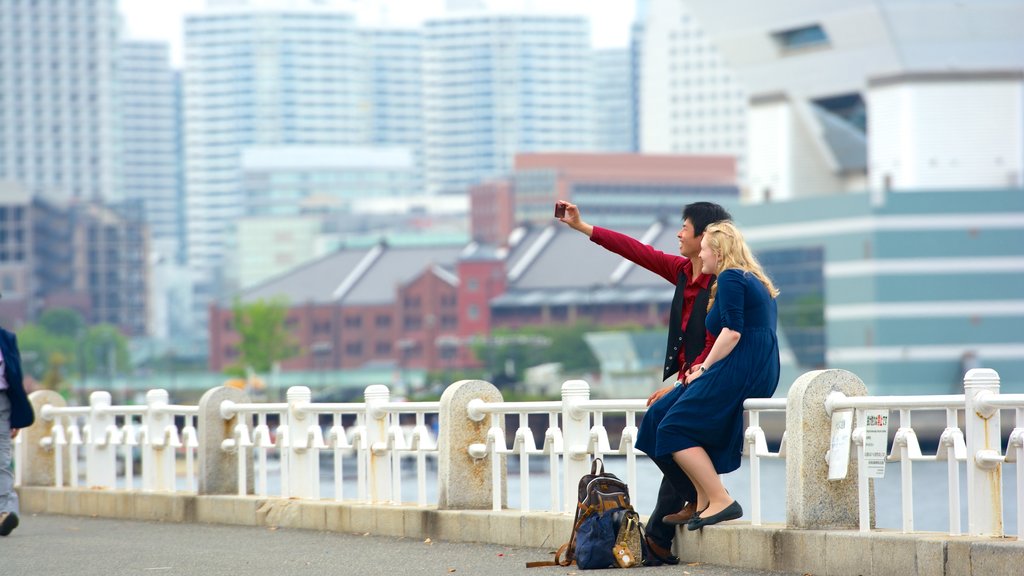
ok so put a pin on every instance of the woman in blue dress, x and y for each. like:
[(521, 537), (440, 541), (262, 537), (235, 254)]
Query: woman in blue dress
[(701, 425)]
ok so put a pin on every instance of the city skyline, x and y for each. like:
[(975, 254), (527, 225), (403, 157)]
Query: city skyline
[(610, 20)]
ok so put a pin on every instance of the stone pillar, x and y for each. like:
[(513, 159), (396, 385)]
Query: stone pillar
[(465, 483), (812, 500), (37, 464), (218, 469)]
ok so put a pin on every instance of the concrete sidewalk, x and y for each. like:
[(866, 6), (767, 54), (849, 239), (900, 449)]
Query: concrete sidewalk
[(47, 545)]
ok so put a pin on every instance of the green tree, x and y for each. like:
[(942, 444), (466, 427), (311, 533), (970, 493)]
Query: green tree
[(104, 350), (39, 346), (508, 353), (62, 322), (264, 337)]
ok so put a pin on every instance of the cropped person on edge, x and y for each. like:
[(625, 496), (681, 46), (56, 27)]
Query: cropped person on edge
[(15, 413), (703, 430), (688, 343)]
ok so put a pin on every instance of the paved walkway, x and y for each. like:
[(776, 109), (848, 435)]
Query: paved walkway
[(64, 545)]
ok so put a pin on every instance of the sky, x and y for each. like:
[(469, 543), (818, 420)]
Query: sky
[(610, 20)]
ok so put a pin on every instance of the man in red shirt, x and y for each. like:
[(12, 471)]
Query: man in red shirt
[(688, 344)]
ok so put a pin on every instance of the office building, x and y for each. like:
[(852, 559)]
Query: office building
[(394, 100), (854, 96), (57, 97), (690, 100), (614, 104), (150, 156), (496, 85), (259, 73)]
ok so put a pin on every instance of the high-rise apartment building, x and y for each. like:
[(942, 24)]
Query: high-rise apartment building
[(394, 97), (691, 102), (150, 156), (57, 100), (613, 100), (267, 73), (499, 84)]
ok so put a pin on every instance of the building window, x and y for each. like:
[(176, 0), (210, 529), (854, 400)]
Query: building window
[(354, 348), (382, 348), (353, 321), (800, 38), (473, 312), (383, 321)]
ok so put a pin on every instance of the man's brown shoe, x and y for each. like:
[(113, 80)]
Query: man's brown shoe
[(681, 517)]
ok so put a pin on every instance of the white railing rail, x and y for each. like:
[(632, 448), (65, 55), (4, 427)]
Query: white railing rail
[(755, 446), (377, 439), (979, 450), (102, 428)]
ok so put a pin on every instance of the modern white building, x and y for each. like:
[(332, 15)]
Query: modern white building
[(394, 99), (497, 84), (290, 180), (848, 95), (57, 96), (613, 100), (150, 155), (259, 73), (690, 99)]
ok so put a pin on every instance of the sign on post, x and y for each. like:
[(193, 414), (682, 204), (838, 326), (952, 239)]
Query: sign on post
[(839, 447), (876, 439)]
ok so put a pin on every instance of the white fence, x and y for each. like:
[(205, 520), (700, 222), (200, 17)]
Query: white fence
[(377, 441)]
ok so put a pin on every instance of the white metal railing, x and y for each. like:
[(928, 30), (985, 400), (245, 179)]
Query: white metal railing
[(378, 441), (583, 434), (101, 428), (979, 451)]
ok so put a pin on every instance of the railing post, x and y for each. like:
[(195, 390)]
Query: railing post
[(576, 437), (378, 462), (812, 500), (984, 474), (303, 458), (100, 454), (464, 483), (218, 468), (37, 462), (157, 453)]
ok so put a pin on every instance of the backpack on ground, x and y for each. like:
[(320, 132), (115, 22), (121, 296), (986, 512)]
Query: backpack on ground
[(606, 531)]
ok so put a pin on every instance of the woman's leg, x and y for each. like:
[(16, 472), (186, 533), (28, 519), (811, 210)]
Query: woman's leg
[(695, 462)]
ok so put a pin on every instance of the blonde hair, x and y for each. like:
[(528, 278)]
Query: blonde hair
[(726, 241)]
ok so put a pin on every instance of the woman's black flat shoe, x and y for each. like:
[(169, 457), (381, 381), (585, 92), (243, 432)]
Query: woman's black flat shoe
[(731, 512)]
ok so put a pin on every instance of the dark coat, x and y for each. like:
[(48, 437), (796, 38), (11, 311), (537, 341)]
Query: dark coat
[(22, 415)]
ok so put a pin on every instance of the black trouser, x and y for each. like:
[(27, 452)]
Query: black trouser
[(676, 489)]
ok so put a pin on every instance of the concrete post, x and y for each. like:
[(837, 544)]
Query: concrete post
[(377, 432), (37, 465), (984, 471), (465, 483), (218, 469), (100, 454), (303, 458), (157, 452), (812, 500), (576, 437)]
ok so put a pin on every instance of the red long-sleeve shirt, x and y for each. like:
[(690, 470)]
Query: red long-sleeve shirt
[(668, 266)]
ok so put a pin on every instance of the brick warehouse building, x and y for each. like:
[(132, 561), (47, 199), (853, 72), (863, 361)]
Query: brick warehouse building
[(421, 307)]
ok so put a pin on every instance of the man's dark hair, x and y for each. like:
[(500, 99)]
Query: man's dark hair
[(702, 214)]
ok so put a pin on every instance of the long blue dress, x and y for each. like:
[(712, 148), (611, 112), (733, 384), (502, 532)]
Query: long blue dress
[(709, 412)]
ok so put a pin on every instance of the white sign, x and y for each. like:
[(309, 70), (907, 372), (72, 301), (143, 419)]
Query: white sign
[(839, 448), (876, 438)]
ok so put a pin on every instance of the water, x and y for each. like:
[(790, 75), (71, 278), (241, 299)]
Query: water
[(930, 490)]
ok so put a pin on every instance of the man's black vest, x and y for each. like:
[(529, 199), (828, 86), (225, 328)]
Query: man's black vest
[(692, 338)]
